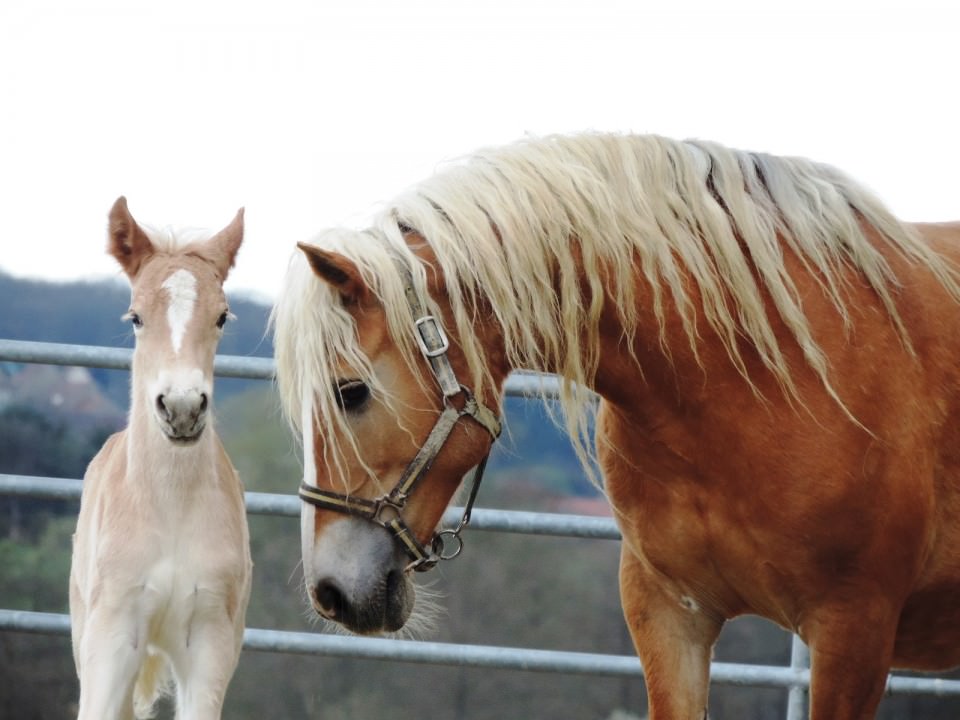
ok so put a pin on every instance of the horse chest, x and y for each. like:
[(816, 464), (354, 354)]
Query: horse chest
[(174, 589), (179, 592), (707, 558)]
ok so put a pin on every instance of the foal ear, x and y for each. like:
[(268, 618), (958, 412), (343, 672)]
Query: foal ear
[(339, 271), (126, 240), (222, 248)]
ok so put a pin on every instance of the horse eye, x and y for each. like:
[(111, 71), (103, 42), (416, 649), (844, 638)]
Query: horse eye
[(134, 320), (351, 394), (222, 320)]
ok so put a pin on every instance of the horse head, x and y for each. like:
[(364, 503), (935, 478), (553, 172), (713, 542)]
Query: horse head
[(388, 435)]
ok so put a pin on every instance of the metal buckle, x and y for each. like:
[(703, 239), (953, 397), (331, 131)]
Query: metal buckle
[(422, 340), (423, 564), (387, 509)]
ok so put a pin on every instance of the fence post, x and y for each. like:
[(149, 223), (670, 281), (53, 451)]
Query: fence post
[(797, 697)]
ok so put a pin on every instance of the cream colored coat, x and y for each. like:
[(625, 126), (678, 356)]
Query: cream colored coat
[(161, 568)]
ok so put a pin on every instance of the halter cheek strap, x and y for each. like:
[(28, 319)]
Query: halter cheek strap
[(386, 510)]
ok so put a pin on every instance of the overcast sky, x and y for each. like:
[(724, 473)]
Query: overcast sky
[(311, 113)]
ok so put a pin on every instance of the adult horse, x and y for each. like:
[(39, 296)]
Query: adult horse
[(161, 567), (779, 417)]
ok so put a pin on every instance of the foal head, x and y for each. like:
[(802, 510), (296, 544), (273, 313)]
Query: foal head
[(178, 310)]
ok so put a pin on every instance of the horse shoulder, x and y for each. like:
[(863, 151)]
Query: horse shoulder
[(229, 487), (109, 459), (103, 474), (227, 473), (235, 515)]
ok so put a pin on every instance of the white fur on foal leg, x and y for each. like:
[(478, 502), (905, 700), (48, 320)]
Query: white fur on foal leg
[(110, 659), (204, 669)]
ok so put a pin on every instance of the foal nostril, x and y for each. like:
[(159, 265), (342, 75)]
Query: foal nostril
[(330, 599), (162, 408), (203, 402)]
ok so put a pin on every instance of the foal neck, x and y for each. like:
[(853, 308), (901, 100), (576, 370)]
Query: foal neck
[(156, 463)]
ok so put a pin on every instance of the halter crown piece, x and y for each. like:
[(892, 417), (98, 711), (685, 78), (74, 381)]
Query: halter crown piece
[(386, 510)]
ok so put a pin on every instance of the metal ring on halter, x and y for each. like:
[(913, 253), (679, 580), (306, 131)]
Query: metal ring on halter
[(438, 544)]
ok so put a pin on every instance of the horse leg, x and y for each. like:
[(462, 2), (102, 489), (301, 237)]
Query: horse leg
[(109, 656), (673, 638), (851, 648), (204, 666)]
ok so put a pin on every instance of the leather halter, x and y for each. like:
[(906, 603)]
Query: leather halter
[(386, 510)]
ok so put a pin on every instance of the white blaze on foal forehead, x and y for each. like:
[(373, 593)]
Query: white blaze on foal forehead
[(181, 290)]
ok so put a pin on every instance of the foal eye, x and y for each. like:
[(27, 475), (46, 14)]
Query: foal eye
[(351, 394), (134, 319), (222, 320)]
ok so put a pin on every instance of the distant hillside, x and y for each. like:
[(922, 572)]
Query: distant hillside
[(88, 313), (70, 393)]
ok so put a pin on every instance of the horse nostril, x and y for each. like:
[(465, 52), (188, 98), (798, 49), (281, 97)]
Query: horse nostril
[(162, 408), (394, 582), (330, 599), (203, 402)]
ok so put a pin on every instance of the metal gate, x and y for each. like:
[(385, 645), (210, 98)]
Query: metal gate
[(795, 679)]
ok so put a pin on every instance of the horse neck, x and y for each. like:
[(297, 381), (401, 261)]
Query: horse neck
[(624, 371), (618, 366)]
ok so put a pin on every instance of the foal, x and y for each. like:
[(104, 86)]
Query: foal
[(161, 567)]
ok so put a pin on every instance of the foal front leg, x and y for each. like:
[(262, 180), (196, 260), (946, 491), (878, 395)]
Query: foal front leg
[(110, 652), (203, 666), (674, 639)]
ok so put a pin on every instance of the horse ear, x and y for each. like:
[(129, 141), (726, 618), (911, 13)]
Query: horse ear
[(339, 271), (126, 240), (221, 249)]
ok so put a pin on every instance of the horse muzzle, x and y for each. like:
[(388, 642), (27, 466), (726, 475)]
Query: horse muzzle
[(355, 576)]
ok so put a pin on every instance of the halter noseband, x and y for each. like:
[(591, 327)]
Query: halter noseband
[(386, 510)]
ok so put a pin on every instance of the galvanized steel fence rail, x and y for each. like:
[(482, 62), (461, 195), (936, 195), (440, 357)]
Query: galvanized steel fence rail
[(795, 679)]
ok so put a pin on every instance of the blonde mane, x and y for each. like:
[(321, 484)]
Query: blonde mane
[(518, 225)]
